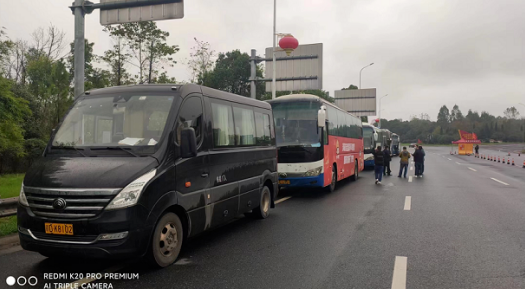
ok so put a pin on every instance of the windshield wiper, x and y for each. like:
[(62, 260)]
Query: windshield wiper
[(128, 150), (69, 148)]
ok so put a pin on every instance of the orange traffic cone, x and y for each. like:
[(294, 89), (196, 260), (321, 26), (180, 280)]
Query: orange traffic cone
[(508, 161), (524, 164), (499, 160), (513, 162), (503, 160)]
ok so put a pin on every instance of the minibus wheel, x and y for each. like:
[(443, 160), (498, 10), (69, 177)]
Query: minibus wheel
[(263, 211), (166, 241)]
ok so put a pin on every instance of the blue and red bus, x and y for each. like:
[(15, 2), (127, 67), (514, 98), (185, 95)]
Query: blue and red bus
[(318, 143)]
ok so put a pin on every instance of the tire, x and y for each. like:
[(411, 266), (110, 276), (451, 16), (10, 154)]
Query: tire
[(263, 210), (331, 187), (356, 172), (166, 241)]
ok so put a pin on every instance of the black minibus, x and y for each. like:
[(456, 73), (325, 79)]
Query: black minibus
[(137, 170)]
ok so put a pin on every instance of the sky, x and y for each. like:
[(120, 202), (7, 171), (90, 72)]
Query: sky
[(426, 53)]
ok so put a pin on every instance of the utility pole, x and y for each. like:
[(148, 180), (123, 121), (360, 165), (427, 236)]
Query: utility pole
[(79, 12), (274, 63)]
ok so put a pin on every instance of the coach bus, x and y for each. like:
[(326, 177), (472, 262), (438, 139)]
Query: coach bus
[(318, 143), (395, 144), (370, 138)]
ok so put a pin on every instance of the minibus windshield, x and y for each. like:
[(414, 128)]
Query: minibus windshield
[(108, 121)]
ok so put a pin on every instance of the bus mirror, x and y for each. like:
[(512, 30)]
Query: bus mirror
[(188, 146), (321, 118), (375, 136)]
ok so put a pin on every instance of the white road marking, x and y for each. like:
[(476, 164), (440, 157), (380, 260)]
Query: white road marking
[(411, 168), (282, 200), (409, 179), (458, 163), (449, 159), (399, 280), (472, 169), (499, 181), (408, 203)]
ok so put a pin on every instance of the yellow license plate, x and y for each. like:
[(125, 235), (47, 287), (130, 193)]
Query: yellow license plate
[(284, 182), (59, 229)]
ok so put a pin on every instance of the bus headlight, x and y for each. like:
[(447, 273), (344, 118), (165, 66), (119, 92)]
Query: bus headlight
[(313, 172), (369, 158), (130, 194), (22, 198)]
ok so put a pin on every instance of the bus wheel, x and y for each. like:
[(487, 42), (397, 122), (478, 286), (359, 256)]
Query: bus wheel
[(167, 240), (356, 172), (263, 211), (331, 187)]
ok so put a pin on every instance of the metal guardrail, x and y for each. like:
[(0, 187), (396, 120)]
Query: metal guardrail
[(8, 207)]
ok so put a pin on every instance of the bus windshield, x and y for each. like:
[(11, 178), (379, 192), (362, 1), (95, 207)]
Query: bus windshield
[(114, 120), (296, 123)]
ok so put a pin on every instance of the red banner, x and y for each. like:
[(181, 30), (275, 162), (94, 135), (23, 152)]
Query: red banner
[(467, 136), (419, 141)]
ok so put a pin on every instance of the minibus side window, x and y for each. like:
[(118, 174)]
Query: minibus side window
[(191, 116)]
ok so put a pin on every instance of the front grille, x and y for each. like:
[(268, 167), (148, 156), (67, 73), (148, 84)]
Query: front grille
[(291, 175), (79, 203)]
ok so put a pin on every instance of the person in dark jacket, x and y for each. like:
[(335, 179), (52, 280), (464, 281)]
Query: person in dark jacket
[(387, 157), (423, 163), (379, 163), (418, 159)]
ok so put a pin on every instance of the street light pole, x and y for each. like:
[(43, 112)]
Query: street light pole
[(79, 48), (360, 74), (274, 63), (380, 109)]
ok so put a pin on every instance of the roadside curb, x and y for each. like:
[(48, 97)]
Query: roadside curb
[(9, 241)]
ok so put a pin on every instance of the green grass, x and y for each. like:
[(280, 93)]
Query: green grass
[(10, 185), (8, 226)]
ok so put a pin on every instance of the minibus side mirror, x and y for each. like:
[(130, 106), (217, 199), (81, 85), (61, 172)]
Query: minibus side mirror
[(188, 146), (321, 117)]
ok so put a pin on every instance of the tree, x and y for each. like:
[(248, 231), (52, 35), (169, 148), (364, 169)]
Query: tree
[(472, 116), (164, 78), (117, 59), (5, 48), (350, 87), (511, 113), (12, 111), (201, 59), (455, 114), (148, 46), (94, 77), (443, 115), (232, 73)]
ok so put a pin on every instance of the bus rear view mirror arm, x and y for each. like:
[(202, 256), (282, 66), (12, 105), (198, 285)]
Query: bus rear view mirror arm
[(188, 146)]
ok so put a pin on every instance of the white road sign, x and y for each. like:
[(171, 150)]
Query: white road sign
[(144, 13)]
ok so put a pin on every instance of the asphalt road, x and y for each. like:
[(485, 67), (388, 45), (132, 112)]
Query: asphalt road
[(462, 227)]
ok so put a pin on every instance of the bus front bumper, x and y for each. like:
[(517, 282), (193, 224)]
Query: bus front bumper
[(317, 181)]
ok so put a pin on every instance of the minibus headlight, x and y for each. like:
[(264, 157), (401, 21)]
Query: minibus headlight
[(130, 194), (314, 172), (22, 198)]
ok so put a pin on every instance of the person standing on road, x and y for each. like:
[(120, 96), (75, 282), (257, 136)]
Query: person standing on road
[(379, 161), (404, 157), (477, 150), (387, 157), (422, 163), (418, 159)]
